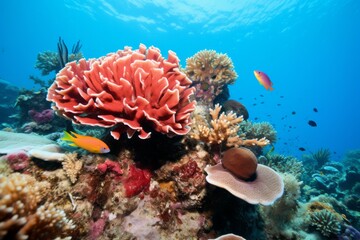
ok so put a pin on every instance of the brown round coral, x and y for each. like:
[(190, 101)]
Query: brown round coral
[(236, 107), (241, 162)]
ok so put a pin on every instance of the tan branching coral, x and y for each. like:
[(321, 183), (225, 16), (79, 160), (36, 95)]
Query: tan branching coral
[(223, 128), (72, 166), (210, 71), (22, 216), (48, 61)]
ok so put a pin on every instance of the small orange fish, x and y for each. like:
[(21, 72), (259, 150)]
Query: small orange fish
[(264, 80), (88, 143)]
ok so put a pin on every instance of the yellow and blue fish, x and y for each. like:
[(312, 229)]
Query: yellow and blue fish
[(88, 143), (264, 80)]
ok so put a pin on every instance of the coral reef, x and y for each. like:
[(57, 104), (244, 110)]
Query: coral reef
[(283, 164), (109, 165), (319, 157), (352, 158), (48, 61), (178, 184), (136, 181), (72, 166), (229, 236), (34, 145), (210, 73), (233, 215), (184, 180), (18, 160), (241, 162), (21, 214), (326, 222), (236, 107), (222, 130), (8, 93), (258, 130), (264, 189), (132, 91), (44, 116), (350, 233), (279, 218), (26, 101), (240, 174)]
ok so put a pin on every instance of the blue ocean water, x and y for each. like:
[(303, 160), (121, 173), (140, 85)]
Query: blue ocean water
[(310, 50)]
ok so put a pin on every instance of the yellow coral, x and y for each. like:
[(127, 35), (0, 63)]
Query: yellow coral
[(72, 166), (223, 128), (210, 73), (212, 67), (21, 217)]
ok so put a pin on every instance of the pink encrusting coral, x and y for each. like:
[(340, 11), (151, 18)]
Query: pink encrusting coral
[(109, 165), (129, 91), (18, 161), (137, 181), (44, 116)]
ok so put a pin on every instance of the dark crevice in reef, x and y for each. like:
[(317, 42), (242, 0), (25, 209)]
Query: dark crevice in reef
[(233, 215)]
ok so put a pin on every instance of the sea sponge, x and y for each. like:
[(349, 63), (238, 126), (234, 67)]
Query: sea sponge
[(210, 72), (129, 91)]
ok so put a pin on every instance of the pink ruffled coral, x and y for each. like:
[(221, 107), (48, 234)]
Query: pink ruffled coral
[(129, 91)]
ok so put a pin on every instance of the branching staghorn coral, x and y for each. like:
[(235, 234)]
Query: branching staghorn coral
[(210, 72), (222, 129), (22, 216)]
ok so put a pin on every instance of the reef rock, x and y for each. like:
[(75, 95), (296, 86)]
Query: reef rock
[(8, 95)]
